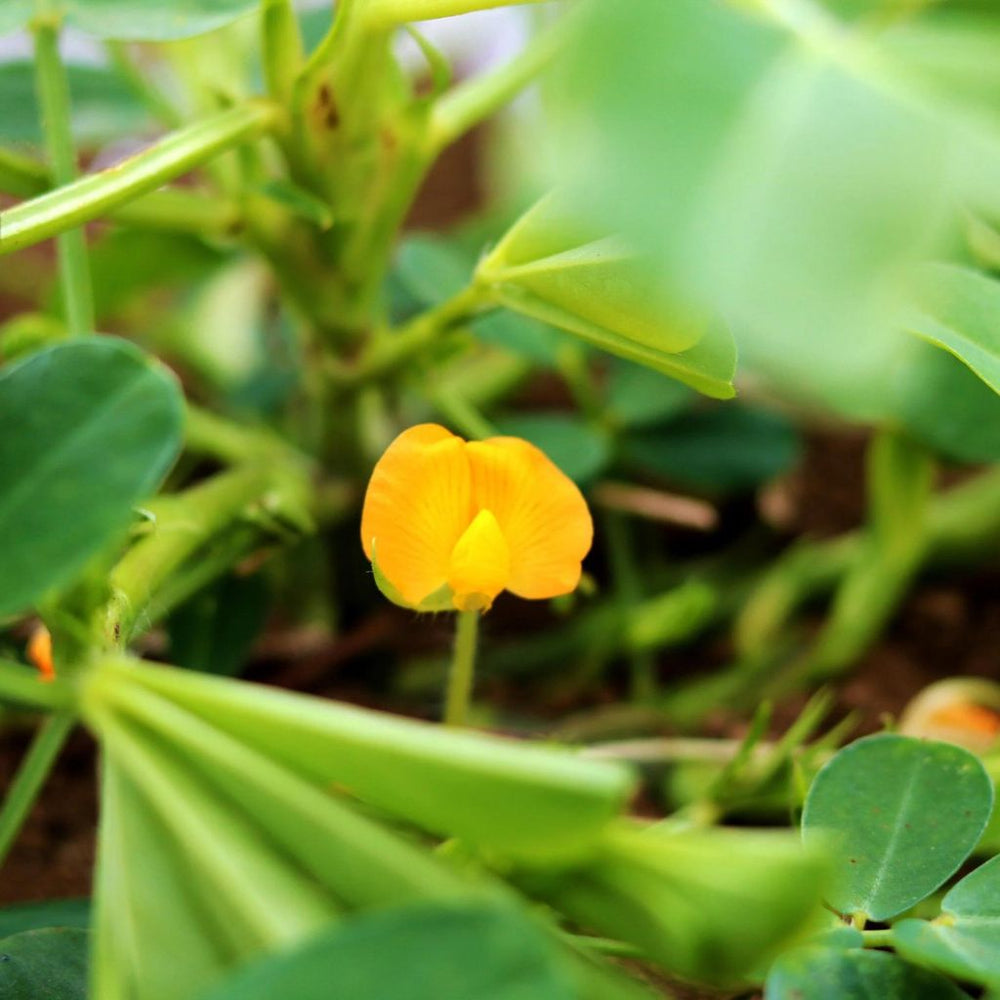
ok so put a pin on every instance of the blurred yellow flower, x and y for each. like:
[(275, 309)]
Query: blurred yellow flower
[(449, 523)]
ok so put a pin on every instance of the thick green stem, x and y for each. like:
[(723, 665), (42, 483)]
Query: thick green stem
[(463, 669), (283, 52), (100, 194), (31, 776), (386, 13), (53, 98)]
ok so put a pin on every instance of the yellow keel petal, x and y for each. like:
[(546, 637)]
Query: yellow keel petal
[(480, 564)]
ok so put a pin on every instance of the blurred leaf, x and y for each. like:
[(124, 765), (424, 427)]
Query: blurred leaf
[(945, 405), (817, 973), (554, 270), (966, 942), (581, 451), (516, 797), (901, 815), (432, 268), (214, 631), (94, 425), (721, 449), (471, 952), (783, 184), (538, 342), (683, 897), (959, 310), (127, 262), (638, 396), (51, 913), (300, 201), (49, 964), (137, 20), (103, 105)]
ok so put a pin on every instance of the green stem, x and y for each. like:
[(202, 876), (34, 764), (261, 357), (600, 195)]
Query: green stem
[(461, 414), (53, 99), (469, 103), (394, 350), (99, 194), (21, 685), (463, 667), (387, 13), (31, 776), (283, 53), (880, 938)]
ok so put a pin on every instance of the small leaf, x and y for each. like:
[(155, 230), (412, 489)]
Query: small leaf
[(51, 913), (900, 816), (432, 268), (91, 427), (966, 942), (549, 268), (722, 449), (152, 20), (638, 396), (457, 952), (958, 309), (49, 964), (817, 973), (300, 201)]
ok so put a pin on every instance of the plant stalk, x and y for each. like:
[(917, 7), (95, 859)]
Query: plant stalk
[(463, 667)]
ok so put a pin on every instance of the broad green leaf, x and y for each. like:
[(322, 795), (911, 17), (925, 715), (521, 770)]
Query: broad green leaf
[(91, 428), (49, 964), (943, 404), (497, 793), (147, 912), (580, 450), (555, 270), (538, 342), (959, 310), (416, 953), (817, 973), (900, 815), (965, 940), (51, 913), (721, 449), (432, 268), (683, 898), (103, 105)]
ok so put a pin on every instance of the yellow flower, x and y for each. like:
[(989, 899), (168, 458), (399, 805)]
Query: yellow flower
[(449, 523)]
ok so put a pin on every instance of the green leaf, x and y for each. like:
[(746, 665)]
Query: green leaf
[(151, 20), (958, 309), (103, 105), (638, 396), (900, 815), (49, 964), (51, 913), (683, 898), (497, 793), (470, 952), (942, 403), (722, 449), (580, 450), (432, 268), (817, 973), (93, 426), (965, 941), (552, 269)]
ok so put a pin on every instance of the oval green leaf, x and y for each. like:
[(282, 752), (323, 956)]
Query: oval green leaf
[(966, 941), (49, 964), (90, 429), (50, 913), (456, 952), (899, 815), (818, 973)]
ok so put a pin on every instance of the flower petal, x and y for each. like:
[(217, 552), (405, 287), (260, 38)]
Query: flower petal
[(418, 504), (480, 564), (541, 513)]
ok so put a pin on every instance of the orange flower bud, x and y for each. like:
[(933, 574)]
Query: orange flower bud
[(40, 653), (450, 524)]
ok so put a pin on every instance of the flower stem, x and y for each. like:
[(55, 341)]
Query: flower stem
[(463, 666), (53, 98), (34, 770)]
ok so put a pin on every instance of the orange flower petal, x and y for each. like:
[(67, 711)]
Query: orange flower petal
[(40, 653), (480, 564), (541, 513), (418, 504)]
